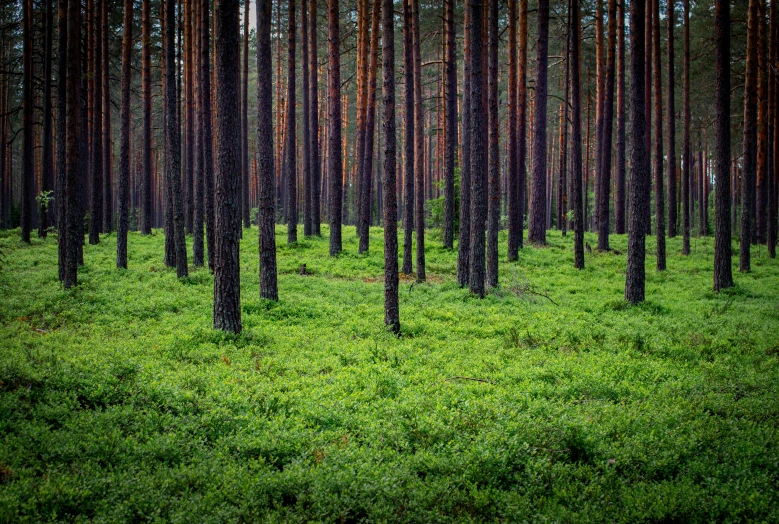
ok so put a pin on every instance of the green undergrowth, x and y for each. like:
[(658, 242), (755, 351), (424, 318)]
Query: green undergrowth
[(549, 400)]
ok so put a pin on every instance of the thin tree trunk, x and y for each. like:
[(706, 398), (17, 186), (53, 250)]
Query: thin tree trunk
[(649, 6), (335, 166), (576, 137), (304, 55), (63, 224), (493, 210), (265, 153), (227, 270), (639, 183), (366, 182), (478, 152), (47, 168), (124, 146), (686, 152), (73, 115), (619, 204), (537, 225), (314, 101), (208, 140), (761, 187), (604, 168), (451, 121), (522, 117), (419, 147), (750, 139), (245, 203), (188, 119), (96, 202), (773, 90), (291, 149), (146, 195), (671, 119), (658, 157), (198, 218), (173, 152), (464, 240), (408, 145), (108, 208), (391, 307), (28, 146), (512, 173)]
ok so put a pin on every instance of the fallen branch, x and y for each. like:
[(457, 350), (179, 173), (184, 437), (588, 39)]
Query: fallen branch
[(545, 295), (470, 378)]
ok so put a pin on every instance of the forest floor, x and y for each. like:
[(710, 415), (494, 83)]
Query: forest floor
[(549, 400)]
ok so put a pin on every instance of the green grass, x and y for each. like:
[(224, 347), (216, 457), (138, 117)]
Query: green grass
[(118, 402)]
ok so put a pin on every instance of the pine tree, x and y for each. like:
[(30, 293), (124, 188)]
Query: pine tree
[(478, 152), (576, 136), (28, 165), (291, 134), (671, 123), (658, 152), (686, 148), (314, 121), (537, 222), (146, 180), (750, 139), (123, 199), (451, 124), (408, 144), (335, 163), (493, 208), (47, 167)]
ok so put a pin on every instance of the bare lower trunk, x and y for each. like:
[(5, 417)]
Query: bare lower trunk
[(537, 223), (750, 139), (124, 147), (335, 164)]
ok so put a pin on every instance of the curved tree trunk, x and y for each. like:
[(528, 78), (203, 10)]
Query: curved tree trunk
[(537, 223), (123, 199), (635, 275), (227, 270), (265, 155), (391, 307)]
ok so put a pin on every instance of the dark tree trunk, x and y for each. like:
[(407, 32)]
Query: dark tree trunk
[(649, 7), (198, 218), (314, 102), (245, 202), (188, 118), (761, 193), (28, 146), (362, 92), (723, 273), (658, 157), (639, 181), (478, 151), (604, 172), (493, 209), (773, 91), (206, 130), (408, 144), (451, 122), (576, 137), (464, 241), (419, 148), (73, 138), (291, 148), (750, 139), (47, 169), (96, 201), (62, 200), (108, 197), (366, 182), (124, 146), (686, 151), (227, 270), (173, 149), (265, 175), (619, 202), (522, 117), (146, 180), (512, 172), (335, 163), (537, 223), (671, 119), (391, 307), (304, 55)]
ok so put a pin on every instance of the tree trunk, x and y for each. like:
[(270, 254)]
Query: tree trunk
[(773, 92), (512, 172), (750, 139), (47, 168), (478, 152), (314, 101), (658, 156), (124, 146), (671, 123), (619, 203), (537, 225), (366, 182), (96, 202), (419, 147), (723, 273), (173, 150), (304, 55), (408, 113), (146, 183), (451, 121), (335, 165), (188, 119), (245, 202), (265, 154), (522, 117), (63, 224), (686, 152), (198, 218), (108, 208), (291, 149), (576, 137), (639, 182), (649, 6), (761, 189), (493, 209), (391, 307), (28, 146), (206, 130), (227, 271), (604, 168), (73, 115)]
